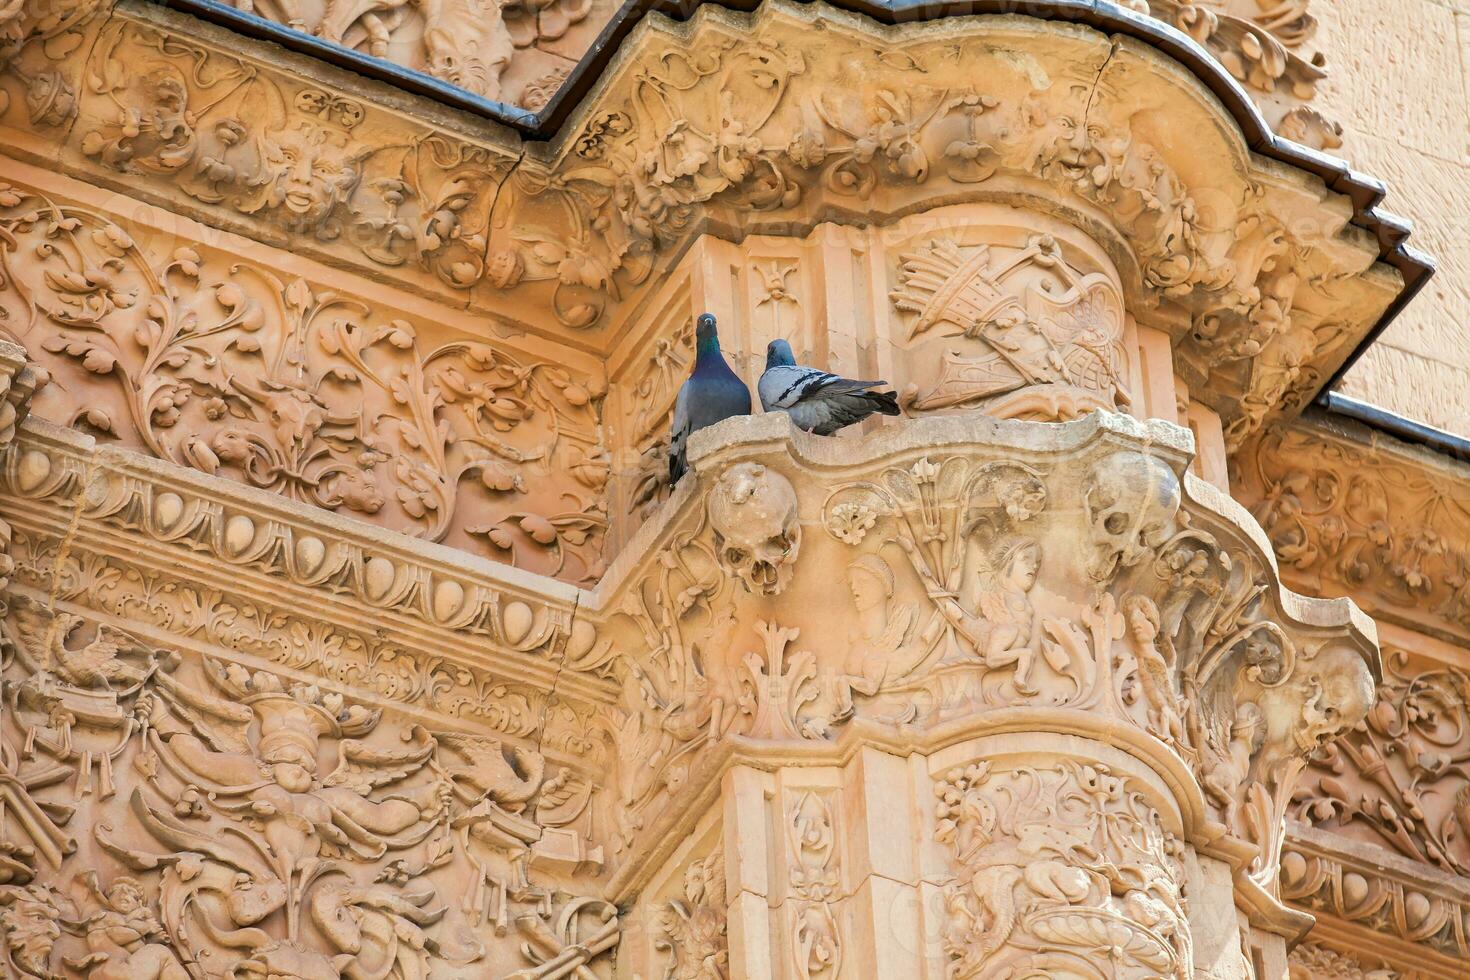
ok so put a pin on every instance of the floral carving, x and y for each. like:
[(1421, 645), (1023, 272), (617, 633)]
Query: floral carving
[(307, 392), (1344, 516), (242, 852), (158, 105), (1264, 46), (816, 941), (469, 43), (1402, 778), (37, 48)]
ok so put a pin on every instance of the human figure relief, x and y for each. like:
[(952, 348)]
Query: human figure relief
[(878, 634), (1000, 621), (308, 818), (1155, 669), (125, 939)]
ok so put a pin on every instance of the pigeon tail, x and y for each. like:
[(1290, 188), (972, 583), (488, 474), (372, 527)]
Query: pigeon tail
[(884, 402)]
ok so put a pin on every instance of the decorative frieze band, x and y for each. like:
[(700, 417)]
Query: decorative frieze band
[(571, 237)]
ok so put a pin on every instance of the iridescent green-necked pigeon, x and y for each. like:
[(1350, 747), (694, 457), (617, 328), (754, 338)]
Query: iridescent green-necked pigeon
[(817, 401), (712, 394)]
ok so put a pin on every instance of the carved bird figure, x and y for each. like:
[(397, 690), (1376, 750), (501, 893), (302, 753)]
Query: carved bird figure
[(817, 401), (712, 394), (96, 663)]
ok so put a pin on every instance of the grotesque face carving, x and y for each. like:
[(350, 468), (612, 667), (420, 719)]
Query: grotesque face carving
[(311, 178), (753, 513), (1132, 500), (1335, 694)]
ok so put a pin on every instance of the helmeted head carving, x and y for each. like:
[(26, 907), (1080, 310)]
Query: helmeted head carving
[(1132, 500), (753, 512)]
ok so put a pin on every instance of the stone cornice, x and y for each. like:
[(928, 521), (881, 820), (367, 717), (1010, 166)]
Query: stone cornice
[(1353, 511), (518, 237), (72, 500), (1368, 899)]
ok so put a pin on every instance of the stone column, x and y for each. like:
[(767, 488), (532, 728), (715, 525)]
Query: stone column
[(970, 698)]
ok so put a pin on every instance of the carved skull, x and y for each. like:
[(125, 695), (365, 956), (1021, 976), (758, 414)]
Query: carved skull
[(753, 512), (1335, 694), (1132, 499)]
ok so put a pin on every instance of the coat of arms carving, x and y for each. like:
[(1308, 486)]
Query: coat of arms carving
[(1023, 335)]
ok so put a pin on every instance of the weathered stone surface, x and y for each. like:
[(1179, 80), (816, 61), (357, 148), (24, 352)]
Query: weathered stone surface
[(351, 628)]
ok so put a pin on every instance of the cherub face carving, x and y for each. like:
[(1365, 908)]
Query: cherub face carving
[(753, 513)]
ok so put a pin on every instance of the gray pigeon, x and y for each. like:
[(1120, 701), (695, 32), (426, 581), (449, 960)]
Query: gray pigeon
[(712, 394), (817, 401)]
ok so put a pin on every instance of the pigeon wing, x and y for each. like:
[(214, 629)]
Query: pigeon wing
[(679, 433), (788, 385)]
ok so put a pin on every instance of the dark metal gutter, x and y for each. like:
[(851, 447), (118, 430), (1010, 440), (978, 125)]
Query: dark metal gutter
[(1391, 424), (1365, 192)]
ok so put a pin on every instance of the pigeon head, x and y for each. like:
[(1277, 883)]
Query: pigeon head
[(778, 353), (706, 340)]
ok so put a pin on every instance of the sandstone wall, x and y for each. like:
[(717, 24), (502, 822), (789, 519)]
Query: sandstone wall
[(1399, 82)]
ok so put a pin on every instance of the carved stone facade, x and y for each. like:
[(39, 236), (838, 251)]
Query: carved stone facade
[(350, 627)]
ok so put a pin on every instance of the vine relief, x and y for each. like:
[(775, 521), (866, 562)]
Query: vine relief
[(1354, 518), (183, 817), (1268, 48), (308, 163), (304, 391), (469, 43), (1401, 779)]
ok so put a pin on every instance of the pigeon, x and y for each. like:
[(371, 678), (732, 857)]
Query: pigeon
[(817, 401), (712, 394)]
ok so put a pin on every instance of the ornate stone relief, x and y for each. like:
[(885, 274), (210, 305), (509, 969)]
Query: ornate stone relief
[(36, 42), (1425, 921), (194, 725), (341, 604), (692, 929), (1399, 780), (1056, 870), (299, 389), (738, 123), (1267, 47), (1366, 517), (970, 593), (176, 820), (285, 156), (1020, 335), (1310, 961), (470, 43)]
